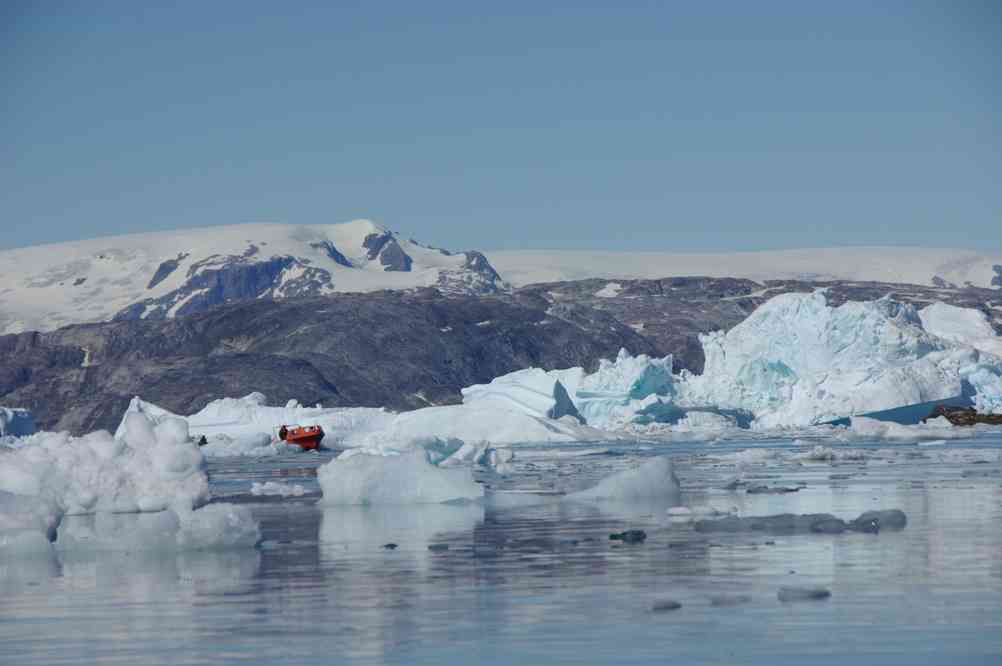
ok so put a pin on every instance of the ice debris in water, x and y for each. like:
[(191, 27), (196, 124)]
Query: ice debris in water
[(358, 477), (652, 480), (275, 488), (818, 523), (213, 527)]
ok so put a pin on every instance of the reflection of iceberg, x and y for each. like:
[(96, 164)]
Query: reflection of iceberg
[(347, 531), (213, 527), (407, 478)]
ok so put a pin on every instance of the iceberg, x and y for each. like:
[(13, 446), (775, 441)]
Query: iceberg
[(622, 390), (150, 468), (619, 392), (141, 491), (359, 477), (798, 361)]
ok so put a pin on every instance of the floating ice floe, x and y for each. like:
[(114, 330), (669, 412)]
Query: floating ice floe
[(358, 477)]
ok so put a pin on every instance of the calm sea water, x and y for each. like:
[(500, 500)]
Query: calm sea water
[(533, 579)]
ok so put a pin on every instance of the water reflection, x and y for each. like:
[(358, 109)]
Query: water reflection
[(536, 578)]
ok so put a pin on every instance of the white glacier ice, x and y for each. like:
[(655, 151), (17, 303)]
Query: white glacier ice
[(533, 391), (797, 360), (358, 477), (619, 390)]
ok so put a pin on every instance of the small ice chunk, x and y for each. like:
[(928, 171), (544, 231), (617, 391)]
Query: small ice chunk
[(275, 488), (653, 480)]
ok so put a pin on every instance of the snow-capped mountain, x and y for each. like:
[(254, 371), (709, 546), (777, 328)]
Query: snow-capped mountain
[(166, 274), (904, 265)]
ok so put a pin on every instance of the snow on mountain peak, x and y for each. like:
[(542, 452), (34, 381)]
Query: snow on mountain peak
[(168, 274)]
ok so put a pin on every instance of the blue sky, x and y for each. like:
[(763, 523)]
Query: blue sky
[(659, 125)]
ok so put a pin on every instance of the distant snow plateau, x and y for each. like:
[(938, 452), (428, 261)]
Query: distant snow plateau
[(924, 266)]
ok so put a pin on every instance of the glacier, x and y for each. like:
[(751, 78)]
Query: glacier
[(797, 361)]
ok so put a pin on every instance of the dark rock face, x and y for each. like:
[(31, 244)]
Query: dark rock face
[(213, 282), (391, 256), (997, 280), (401, 350), (165, 269), (333, 253), (475, 261), (374, 243)]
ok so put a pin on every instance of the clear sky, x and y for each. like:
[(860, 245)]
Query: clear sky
[(624, 125)]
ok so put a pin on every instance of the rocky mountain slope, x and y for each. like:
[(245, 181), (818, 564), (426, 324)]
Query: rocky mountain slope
[(163, 275), (389, 348), (402, 350)]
